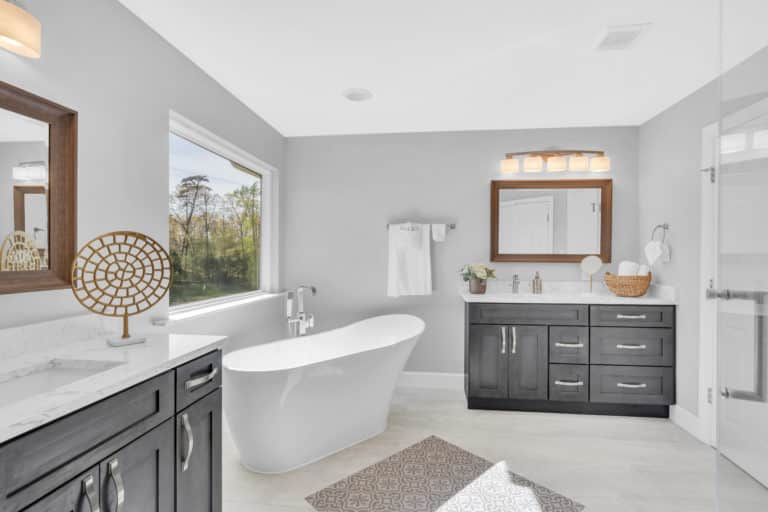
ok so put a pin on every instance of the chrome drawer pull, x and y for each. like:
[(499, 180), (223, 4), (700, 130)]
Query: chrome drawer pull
[(568, 345), (632, 385), (630, 317), (190, 440), (113, 474), (193, 384), (503, 339), (621, 346), (569, 383), (89, 491)]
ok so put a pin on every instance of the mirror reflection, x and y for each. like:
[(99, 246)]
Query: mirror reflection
[(549, 221), (24, 237)]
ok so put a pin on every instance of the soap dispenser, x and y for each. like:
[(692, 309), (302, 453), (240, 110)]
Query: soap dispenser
[(537, 284)]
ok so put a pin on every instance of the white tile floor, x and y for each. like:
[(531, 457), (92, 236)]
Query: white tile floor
[(607, 463)]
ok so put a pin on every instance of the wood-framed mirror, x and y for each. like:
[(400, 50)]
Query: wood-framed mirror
[(551, 220), (38, 203)]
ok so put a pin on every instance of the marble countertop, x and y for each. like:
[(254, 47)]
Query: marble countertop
[(566, 292), (115, 369)]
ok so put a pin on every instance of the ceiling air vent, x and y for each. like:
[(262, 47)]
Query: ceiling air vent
[(620, 37)]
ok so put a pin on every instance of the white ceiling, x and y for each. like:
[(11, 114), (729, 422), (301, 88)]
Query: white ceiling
[(436, 65), (18, 128)]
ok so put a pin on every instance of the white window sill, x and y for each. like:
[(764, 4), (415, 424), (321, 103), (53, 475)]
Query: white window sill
[(195, 309)]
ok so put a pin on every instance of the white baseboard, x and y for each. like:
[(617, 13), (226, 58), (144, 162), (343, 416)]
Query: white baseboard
[(688, 421), (431, 380)]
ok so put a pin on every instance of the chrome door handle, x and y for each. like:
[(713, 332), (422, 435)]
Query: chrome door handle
[(113, 475), (630, 317), (189, 440), (89, 491), (193, 384), (503, 339), (622, 346), (569, 383), (514, 340), (632, 385), (561, 344), (758, 297)]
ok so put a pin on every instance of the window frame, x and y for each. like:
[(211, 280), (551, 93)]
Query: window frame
[(268, 271)]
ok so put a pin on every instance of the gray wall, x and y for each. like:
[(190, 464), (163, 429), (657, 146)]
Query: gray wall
[(669, 191), (343, 190), (123, 79)]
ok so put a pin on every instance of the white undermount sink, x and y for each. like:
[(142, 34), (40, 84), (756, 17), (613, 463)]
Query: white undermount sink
[(46, 376)]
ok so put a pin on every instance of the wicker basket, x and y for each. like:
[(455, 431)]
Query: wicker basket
[(628, 286)]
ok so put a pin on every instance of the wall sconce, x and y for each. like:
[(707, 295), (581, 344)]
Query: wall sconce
[(575, 160), (30, 171), (20, 32)]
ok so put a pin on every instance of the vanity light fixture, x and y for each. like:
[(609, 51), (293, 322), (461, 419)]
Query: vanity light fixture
[(575, 160), (510, 166), (30, 171), (557, 163), (20, 32)]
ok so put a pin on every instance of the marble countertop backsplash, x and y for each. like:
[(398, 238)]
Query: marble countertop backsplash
[(77, 347)]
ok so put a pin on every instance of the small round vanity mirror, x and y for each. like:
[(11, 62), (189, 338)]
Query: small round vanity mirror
[(590, 266)]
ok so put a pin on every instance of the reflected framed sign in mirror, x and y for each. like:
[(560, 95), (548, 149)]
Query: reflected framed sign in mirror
[(551, 220), (38, 158)]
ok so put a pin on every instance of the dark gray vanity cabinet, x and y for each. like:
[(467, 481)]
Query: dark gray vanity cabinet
[(527, 353), (600, 359), (135, 451), (198, 466)]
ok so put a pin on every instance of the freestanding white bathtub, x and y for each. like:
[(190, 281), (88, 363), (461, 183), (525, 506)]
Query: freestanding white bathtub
[(295, 401)]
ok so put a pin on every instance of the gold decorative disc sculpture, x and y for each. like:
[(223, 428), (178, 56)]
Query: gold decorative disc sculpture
[(121, 274), (18, 252)]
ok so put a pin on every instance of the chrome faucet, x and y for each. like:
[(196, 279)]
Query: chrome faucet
[(302, 321)]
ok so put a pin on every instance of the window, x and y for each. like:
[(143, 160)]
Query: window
[(215, 218)]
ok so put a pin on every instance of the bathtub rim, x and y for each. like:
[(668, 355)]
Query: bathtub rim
[(415, 335)]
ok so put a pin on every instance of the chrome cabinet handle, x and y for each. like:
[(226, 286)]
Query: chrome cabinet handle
[(514, 340), (561, 344), (503, 339), (113, 474), (193, 384), (630, 317), (569, 383), (190, 441), (89, 491), (621, 346), (632, 385)]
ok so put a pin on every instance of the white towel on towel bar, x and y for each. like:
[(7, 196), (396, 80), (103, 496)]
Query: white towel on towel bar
[(410, 265), (438, 232)]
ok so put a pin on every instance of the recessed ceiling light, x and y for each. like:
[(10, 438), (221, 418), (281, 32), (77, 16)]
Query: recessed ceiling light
[(358, 94)]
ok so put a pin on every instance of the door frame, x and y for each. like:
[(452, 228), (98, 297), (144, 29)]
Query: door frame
[(708, 324)]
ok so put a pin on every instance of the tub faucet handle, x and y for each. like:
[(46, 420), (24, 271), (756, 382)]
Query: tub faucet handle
[(289, 304)]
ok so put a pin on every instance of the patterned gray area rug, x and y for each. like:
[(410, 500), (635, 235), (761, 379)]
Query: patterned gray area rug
[(436, 476)]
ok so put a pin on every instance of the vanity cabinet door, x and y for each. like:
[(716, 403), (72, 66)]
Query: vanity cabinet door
[(198, 456), (79, 495), (528, 362), (139, 477), (488, 361)]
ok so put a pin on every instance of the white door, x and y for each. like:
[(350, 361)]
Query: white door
[(742, 296), (583, 214), (525, 225)]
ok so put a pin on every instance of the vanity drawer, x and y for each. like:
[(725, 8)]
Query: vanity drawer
[(632, 346), (647, 385), (197, 378), (569, 345), (37, 462), (633, 316), (569, 382), (529, 314)]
